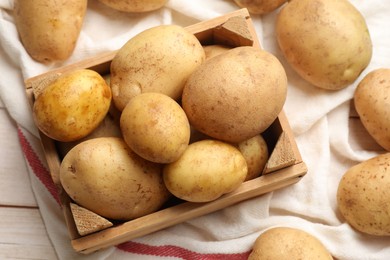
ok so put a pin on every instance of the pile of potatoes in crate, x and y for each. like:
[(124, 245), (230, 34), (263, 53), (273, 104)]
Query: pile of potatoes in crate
[(188, 124)]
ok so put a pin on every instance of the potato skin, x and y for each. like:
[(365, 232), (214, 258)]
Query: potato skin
[(106, 177), (260, 6), (363, 196), (49, 29), (235, 95), (159, 59), (372, 103), (134, 6), (326, 42), (72, 106), (206, 170), (255, 152), (155, 127), (288, 243)]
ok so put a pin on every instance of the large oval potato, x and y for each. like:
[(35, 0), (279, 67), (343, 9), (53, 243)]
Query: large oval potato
[(155, 127), (235, 95), (49, 29), (159, 59), (288, 243), (372, 103), (326, 42), (73, 105), (363, 196), (135, 6), (206, 170), (105, 176)]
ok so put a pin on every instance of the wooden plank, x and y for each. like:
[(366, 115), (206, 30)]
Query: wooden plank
[(23, 235)]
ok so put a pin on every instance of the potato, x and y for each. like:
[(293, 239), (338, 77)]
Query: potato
[(372, 103), (326, 42), (108, 127), (49, 29), (255, 152), (155, 127), (260, 6), (363, 196), (288, 243), (206, 170), (235, 95), (134, 6), (72, 106), (159, 59), (214, 50), (106, 177)]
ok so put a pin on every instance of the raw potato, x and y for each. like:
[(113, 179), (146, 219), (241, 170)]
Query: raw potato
[(135, 6), (288, 243), (260, 6), (72, 106), (155, 127), (206, 170), (255, 152), (326, 42), (363, 196), (106, 177), (159, 59), (214, 50), (372, 103), (49, 29), (235, 95)]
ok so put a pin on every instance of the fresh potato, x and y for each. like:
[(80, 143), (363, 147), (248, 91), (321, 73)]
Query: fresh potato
[(372, 103), (135, 6), (155, 127), (214, 50), (288, 243), (49, 29), (206, 170), (72, 106), (363, 196), (260, 6), (326, 42), (235, 95), (255, 152), (106, 177), (159, 59)]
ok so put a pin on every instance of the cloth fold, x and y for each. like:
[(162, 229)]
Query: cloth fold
[(319, 120)]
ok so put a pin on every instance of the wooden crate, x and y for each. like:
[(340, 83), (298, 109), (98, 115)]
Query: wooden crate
[(284, 167)]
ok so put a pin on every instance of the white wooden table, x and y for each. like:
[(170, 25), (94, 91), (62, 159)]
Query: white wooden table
[(22, 232)]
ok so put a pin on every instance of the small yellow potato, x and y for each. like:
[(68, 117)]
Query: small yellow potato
[(155, 127), (288, 243), (206, 170), (372, 103), (214, 50), (260, 6), (49, 29), (363, 196), (134, 6), (255, 152), (159, 59), (235, 95), (72, 106), (326, 42), (105, 176)]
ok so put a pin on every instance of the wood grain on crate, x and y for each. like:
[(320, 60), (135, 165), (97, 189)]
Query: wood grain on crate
[(285, 167)]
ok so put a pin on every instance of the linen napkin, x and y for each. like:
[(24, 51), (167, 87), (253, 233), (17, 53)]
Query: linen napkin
[(319, 119)]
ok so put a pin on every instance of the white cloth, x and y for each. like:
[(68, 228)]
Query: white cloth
[(319, 120)]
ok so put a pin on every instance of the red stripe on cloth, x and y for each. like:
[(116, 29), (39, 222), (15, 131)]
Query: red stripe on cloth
[(37, 166), (175, 251)]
